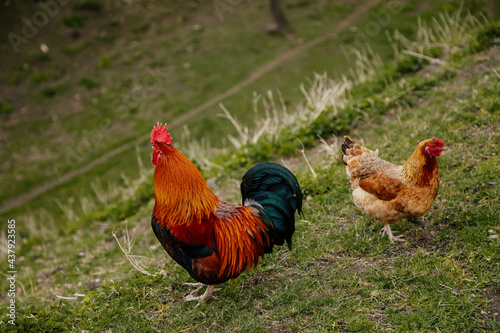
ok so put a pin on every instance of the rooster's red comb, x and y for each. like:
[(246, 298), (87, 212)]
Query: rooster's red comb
[(160, 134)]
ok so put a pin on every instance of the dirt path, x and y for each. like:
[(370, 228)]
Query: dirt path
[(259, 72)]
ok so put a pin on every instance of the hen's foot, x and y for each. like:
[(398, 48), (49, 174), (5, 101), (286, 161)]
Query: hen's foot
[(397, 238), (386, 230)]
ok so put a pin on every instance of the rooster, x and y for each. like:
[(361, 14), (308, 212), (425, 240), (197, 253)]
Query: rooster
[(214, 240), (388, 192)]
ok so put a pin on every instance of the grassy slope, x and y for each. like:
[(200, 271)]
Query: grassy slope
[(342, 275), (183, 56), (72, 134)]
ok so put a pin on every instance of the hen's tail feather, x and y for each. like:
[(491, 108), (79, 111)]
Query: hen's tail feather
[(352, 148), (348, 143), (277, 190)]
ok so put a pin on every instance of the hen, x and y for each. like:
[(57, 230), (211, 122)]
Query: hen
[(212, 239), (388, 192)]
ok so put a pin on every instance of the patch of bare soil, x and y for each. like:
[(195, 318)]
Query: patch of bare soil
[(279, 326), (494, 301)]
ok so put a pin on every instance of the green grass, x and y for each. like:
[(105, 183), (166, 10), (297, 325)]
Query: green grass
[(75, 21), (341, 275)]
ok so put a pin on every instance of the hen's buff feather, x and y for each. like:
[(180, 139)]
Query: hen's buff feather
[(388, 192)]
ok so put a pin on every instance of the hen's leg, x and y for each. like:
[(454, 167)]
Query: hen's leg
[(386, 230)]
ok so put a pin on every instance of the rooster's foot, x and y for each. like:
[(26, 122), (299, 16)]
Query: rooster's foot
[(206, 296), (197, 286)]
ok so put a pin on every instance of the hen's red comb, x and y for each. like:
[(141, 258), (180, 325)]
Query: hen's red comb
[(160, 134), (438, 142)]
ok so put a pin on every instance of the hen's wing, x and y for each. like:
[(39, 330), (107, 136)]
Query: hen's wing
[(368, 171), (383, 186)]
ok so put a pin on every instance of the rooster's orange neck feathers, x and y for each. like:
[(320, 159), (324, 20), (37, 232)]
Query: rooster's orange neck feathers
[(182, 195)]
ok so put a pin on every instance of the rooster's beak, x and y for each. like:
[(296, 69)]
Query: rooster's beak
[(445, 148)]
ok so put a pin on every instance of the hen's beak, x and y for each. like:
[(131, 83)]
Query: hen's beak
[(445, 148)]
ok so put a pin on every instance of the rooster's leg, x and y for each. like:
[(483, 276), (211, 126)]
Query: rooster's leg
[(206, 296), (386, 230)]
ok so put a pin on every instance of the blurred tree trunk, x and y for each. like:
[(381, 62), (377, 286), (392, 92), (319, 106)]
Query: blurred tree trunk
[(282, 25)]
